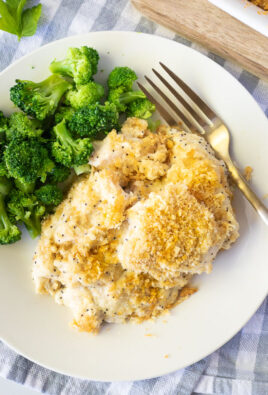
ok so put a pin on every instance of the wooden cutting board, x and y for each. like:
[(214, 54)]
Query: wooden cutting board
[(201, 21)]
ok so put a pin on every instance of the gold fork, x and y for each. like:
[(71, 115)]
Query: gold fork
[(200, 117)]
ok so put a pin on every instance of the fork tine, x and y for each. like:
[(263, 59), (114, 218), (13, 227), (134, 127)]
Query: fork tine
[(196, 99), (181, 99), (169, 102), (168, 118)]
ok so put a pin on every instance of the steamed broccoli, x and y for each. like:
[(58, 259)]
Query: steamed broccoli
[(82, 169), (80, 64), (39, 99), (140, 108), (84, 95), (49, 195), (26, 208), (121, 77), (122, 99), (3, 124), (114, 97), (9, 233), (58, 174), (94, 121), (3, 168), (3, 130), (22, 126), (135, 103), (68, 151), (26, 161), (64, 112)]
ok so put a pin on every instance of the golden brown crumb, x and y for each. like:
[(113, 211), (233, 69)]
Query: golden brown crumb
[(166, 356), (261, 3), (162, 242), (248, 173), (86, 324)]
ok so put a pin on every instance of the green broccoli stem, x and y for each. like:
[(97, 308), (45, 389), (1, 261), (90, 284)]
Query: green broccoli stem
[(64, 136), (53, 85), (61, 67), (82, 169), (33, 225), (128, 97), (5, 186), (25, 187), (9, 233), (52, 88), (4, 220)]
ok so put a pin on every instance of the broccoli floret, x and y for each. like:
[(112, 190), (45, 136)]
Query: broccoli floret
[(39, 99), (5, 186), (58, 174), (64, 112), (22, 126), (114, 97), (82, 169), (84, 95), (3, 168), (26, 161), (122, 99), (140, 108), (94, 121), (135, 103), (3, 130), (26, 208), (68, 151), (49, 195), (9, 233), (3, 124), (121, 77), (80, 64)]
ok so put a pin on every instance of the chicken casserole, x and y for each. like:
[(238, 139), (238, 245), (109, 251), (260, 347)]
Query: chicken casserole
[(125, 243)]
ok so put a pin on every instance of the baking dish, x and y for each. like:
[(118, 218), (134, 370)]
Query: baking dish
[(246, 12)]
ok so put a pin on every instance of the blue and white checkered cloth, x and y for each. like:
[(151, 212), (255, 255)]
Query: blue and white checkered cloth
[(240, 367)]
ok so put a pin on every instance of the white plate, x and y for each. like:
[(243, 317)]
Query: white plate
[(38, 328), (246, 12)]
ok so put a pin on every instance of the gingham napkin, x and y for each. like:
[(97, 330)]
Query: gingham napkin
[(240, 367)]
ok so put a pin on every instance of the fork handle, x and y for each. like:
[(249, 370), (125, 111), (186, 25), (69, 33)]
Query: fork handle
[(247, 191)]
